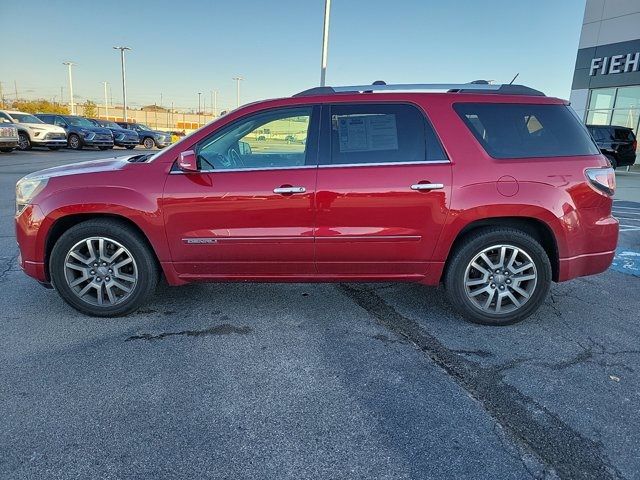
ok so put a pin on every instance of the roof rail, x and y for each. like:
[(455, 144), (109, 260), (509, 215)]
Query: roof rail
[(479, 86)]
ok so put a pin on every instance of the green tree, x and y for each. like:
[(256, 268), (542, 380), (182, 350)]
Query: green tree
[(39, 106), (89, 109)]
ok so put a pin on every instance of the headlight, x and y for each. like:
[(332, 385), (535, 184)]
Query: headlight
[(27, 189)]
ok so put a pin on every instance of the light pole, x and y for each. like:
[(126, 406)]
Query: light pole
[(325, 42), (238, 80), (214, 103), (106, 101), (71, 104), (124, 81), (199, 95)]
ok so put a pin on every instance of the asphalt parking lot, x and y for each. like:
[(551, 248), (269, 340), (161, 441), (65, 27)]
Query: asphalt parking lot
[(317, 381)]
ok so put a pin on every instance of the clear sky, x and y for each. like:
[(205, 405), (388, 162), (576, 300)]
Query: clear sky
[(184, 47)]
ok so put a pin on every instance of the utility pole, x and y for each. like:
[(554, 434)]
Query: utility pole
[(238, 80), (106, 101), (325, 42), (15, 88), (124, 81), (61, 97), (1, 97), (199, 95), (72, 105)]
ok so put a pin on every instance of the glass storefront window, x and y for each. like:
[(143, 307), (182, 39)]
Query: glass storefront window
[(627, 117), (628, 97), (602, 98), (598, 117)]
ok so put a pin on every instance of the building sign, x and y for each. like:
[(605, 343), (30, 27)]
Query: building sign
[(615, 64), (612, 65)]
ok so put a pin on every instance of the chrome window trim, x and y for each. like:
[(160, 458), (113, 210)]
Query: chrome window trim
[(384, 164), (260, 169)]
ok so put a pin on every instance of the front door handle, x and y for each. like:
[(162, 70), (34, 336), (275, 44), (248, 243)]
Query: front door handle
[(285, 190), (427, 186)]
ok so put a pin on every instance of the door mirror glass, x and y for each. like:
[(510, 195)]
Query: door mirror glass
[(187, 161)]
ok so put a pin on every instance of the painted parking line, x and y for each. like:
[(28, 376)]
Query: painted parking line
[(626, 261), (628, 214)]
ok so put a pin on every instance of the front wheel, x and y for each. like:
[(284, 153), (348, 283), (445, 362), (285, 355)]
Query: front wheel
[(24, 142), (498, 276), (74, 142), (103, 268), (148, 143)]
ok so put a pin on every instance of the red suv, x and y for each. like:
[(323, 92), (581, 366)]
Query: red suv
[(492, 190)]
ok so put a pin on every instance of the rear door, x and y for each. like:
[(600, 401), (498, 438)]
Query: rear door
[(383, 190), (249, 211)]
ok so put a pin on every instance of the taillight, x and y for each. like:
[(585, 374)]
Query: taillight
[(602, 179)]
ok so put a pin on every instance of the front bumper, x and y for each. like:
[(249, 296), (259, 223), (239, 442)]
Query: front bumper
[(8, 142), (126, 143), (29, 236), (96, 142)]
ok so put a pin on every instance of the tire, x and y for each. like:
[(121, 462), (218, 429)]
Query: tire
[(24, 142), (74, 142), (55, 149), (148, 143), (506, 283), (130, 147), (143, 268), (613, 161)]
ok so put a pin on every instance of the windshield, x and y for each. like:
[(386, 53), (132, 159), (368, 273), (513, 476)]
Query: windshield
[(110, 125), (141, 126), (25, 118), (79, 122)]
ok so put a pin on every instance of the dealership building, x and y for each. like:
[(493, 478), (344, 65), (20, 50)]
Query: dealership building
[(606, 80)]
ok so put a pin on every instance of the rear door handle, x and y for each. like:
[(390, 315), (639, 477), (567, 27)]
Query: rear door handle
[(427, 186), (283, 190)]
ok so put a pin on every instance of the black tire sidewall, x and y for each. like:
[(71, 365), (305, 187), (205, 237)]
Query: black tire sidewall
[(454, 279), (144, 143), (79, 147), (27, 139), (145, 262)]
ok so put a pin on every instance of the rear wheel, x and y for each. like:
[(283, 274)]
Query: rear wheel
[(612, 161), (498, 276), (103, 268), (24, 142), (74, 142), (148, 143)]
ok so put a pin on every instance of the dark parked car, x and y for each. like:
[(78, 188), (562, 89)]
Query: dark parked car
[(80, 131), (122, 137), (618, 144), (148, 137)]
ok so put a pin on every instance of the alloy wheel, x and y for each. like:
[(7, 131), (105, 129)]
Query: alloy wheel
[(100, 271), (500, 279)]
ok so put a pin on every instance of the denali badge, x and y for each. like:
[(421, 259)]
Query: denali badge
[(195, 241)]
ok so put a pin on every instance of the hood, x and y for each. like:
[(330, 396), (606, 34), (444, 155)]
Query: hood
[(93, 166)]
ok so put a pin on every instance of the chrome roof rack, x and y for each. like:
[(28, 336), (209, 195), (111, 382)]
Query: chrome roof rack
[(478, 86)]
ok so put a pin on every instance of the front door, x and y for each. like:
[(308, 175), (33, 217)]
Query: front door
[(249, 211), (383, 191)]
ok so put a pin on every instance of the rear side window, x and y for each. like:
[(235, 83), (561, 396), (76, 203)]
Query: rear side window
[(381, 133), (526, 130)]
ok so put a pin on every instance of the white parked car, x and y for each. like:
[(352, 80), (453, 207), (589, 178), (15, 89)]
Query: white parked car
[(33, 132), (8, 136)]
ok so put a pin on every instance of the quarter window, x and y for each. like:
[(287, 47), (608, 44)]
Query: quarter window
[(526, 130), (386, 133), (273, 139)]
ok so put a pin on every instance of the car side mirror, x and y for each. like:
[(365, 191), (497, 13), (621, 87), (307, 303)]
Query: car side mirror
[(188, 162)]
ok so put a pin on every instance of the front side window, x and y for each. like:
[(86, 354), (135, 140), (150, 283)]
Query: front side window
[(384, 133), (272, 139), (59, 122), (508, 130)]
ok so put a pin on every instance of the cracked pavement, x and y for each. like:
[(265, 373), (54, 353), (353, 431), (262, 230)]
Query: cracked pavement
[(313, 381)]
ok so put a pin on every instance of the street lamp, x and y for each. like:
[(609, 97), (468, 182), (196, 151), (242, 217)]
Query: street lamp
[(124, 82), (71, 104), (106, 101), (238, 80), (199, 95), (325, 42), (214, 102)]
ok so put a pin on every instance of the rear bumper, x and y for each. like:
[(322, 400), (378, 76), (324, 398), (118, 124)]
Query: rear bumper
[(583, 265)]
